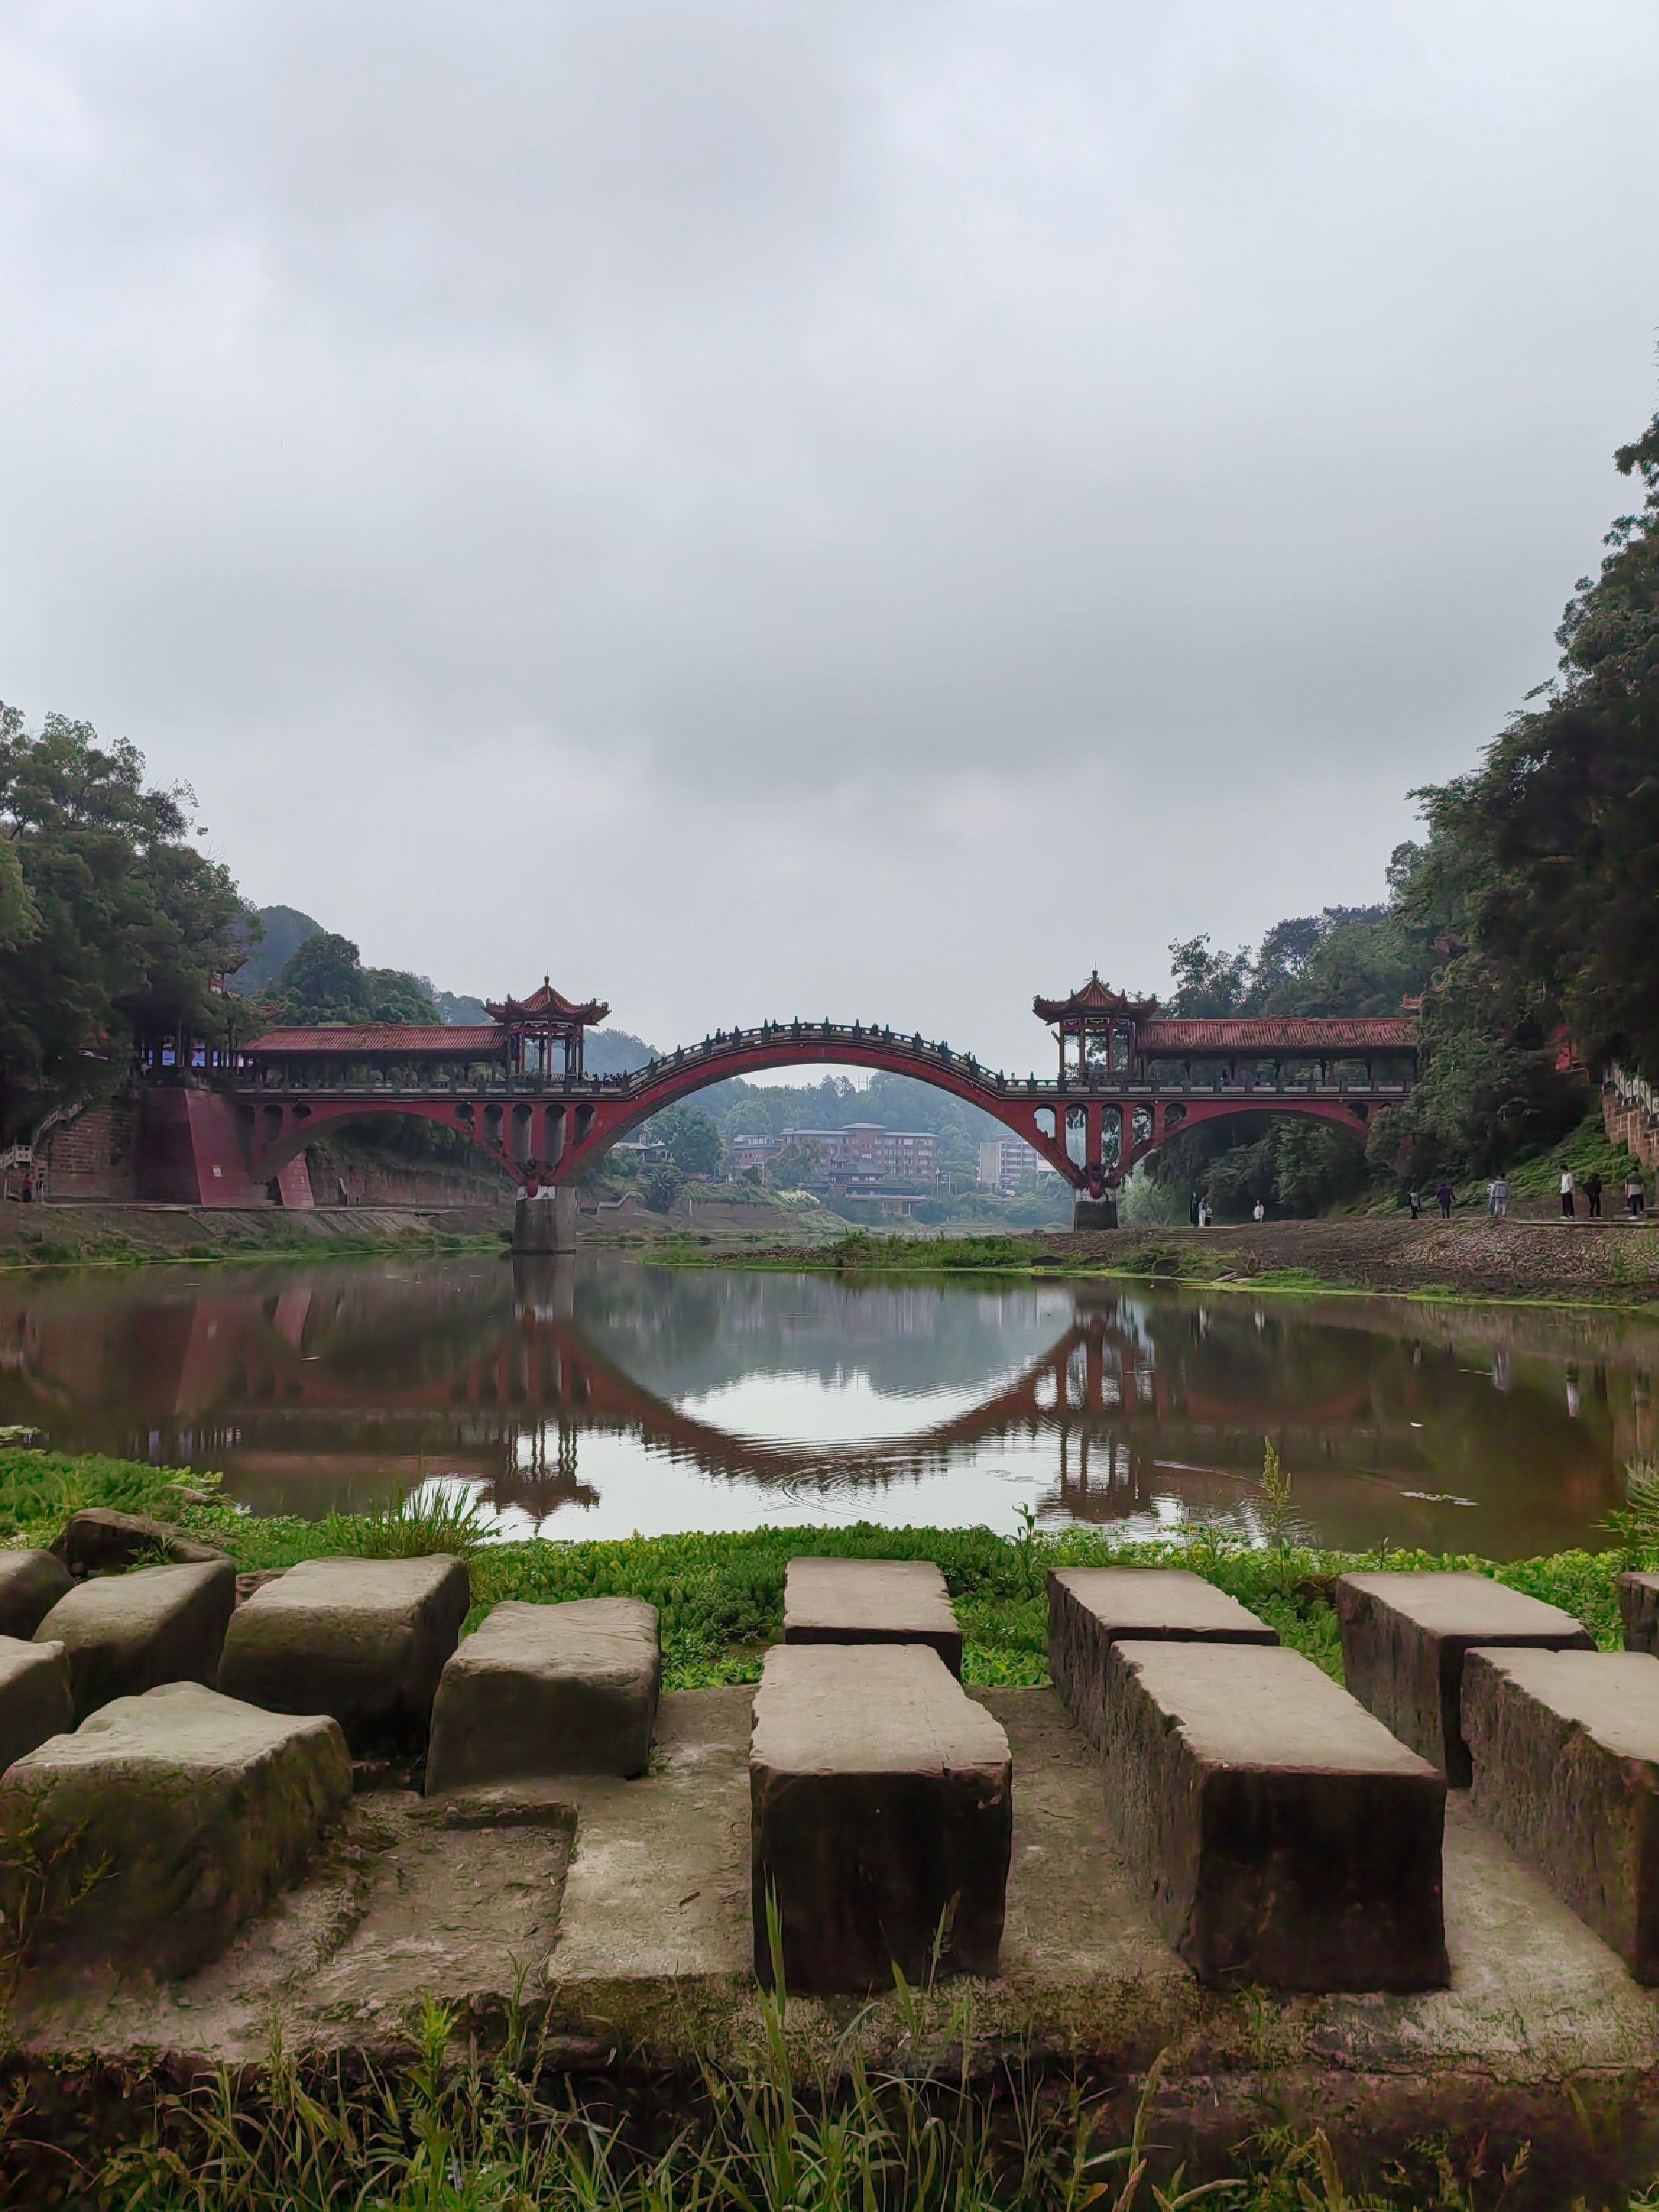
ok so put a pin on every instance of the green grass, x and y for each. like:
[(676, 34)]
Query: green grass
[(720, 1597)]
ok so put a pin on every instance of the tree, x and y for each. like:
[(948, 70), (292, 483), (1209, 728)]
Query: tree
[(694, 1143), (1207, 983), (110, 920), (325, 981), (796, 1166), (662, 1186)]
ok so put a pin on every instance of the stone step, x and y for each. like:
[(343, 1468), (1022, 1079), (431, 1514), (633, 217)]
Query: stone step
[(870, 1602), (125, 1634), (163, 1823), (1280, 1833), (36, 1699), (543, 1690), (1403, 1638), (31, 1584), (1566, 1749), (1638, 1608), (881, 1808), (365, 1640), (1091, 1608)]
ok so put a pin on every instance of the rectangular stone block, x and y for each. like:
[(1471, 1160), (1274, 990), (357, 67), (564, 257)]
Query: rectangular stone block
[(161, 1824), (881, 1806), (1638, 1607), (364, 1640), (871, 1601), (1281, 1834), (1091, 1608), (125, 1634), (1404, 1637), (1566, 1750), (542, 1690), (36, 1700), (31, 1584)]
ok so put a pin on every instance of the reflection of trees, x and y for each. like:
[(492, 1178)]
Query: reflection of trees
[(316, 1385)]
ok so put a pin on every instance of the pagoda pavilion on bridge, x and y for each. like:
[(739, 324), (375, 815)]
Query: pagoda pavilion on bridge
[(1098, 1026), (546, 1022)]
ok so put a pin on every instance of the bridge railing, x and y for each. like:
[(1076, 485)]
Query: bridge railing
[(727, 1044)]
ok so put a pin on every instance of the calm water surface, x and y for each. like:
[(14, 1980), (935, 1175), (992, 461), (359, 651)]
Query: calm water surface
[(596, 1397)]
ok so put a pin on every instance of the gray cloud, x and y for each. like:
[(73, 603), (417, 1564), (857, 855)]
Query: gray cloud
[(867, 508)]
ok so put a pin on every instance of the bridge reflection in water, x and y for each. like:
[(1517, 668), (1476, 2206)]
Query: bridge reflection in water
[(594, 1397)]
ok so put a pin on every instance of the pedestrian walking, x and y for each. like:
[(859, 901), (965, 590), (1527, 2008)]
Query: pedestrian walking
[(1442, 1198), (1498, 1197), (1192, 1211), (1569, 1202), (1593, 1193), (1260, 1211), (1414, 1199), (1635, 1198)]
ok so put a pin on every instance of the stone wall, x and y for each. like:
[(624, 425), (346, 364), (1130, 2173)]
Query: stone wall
[(1631, 1121), (373, 1182), (93, 1155)]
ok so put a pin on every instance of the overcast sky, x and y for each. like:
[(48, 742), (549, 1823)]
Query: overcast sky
[(864, 509)]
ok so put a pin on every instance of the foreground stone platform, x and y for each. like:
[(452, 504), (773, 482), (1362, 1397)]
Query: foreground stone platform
[(125, 1634), (619, 1912)]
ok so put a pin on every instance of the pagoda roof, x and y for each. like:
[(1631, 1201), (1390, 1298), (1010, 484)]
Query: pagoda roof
[(426, 1037), (1093, 997), (544, 1003)]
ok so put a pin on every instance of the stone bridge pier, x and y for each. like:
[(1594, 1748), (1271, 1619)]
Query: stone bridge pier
[(545, 1220)]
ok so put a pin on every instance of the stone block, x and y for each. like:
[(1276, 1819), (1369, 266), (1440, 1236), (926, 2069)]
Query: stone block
[(36, 1700), (871, 1601), (98, 1541), (165, 1822), (881, 1807), (1638, 1607), (31, 1584), (1404, 1637), (1091, 1608), (1565, 1751), (541, 1690), (363, 1640), (125, 1634), (1280, 1833)]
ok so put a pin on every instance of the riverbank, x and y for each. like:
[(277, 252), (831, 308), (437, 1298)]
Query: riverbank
[(1582, 1262), (95, 1235), (492, 1999)]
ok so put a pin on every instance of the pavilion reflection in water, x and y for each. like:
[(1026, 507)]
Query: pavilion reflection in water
[(343, 1386)]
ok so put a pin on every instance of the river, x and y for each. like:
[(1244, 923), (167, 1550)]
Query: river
[(602, 1396)]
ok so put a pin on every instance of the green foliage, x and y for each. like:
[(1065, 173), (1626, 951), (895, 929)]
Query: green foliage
[(110, 920), (274, 935), (662, 1186), (795, 1165), (694, 1144), (325, 981)]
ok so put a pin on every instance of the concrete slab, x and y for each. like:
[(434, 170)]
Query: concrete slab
[(31, 1584), (149, 1834), (1566, 1749), (545, 1690), (125, 1634), (36, 1700), (1281, 1834), (364, 1640), (1638, 1607), (1091, 1608), (881, 1800), (1541, 2025), (870, 1602), (1404, 1637)]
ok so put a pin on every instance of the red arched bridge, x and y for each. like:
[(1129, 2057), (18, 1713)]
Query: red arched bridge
[(1129, 1078)]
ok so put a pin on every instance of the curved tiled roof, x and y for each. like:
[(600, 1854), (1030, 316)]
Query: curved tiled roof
[(382, 1036), (1279, 1033)]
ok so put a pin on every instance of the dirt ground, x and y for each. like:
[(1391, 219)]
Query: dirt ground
[(1612, 1261), (67, 1234)]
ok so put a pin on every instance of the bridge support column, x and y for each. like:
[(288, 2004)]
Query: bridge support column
[(546, 1223), (1094, 1212)]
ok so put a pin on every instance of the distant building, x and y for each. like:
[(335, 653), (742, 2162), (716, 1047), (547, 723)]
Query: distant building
[(861, 1158), (1005, 1162)]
